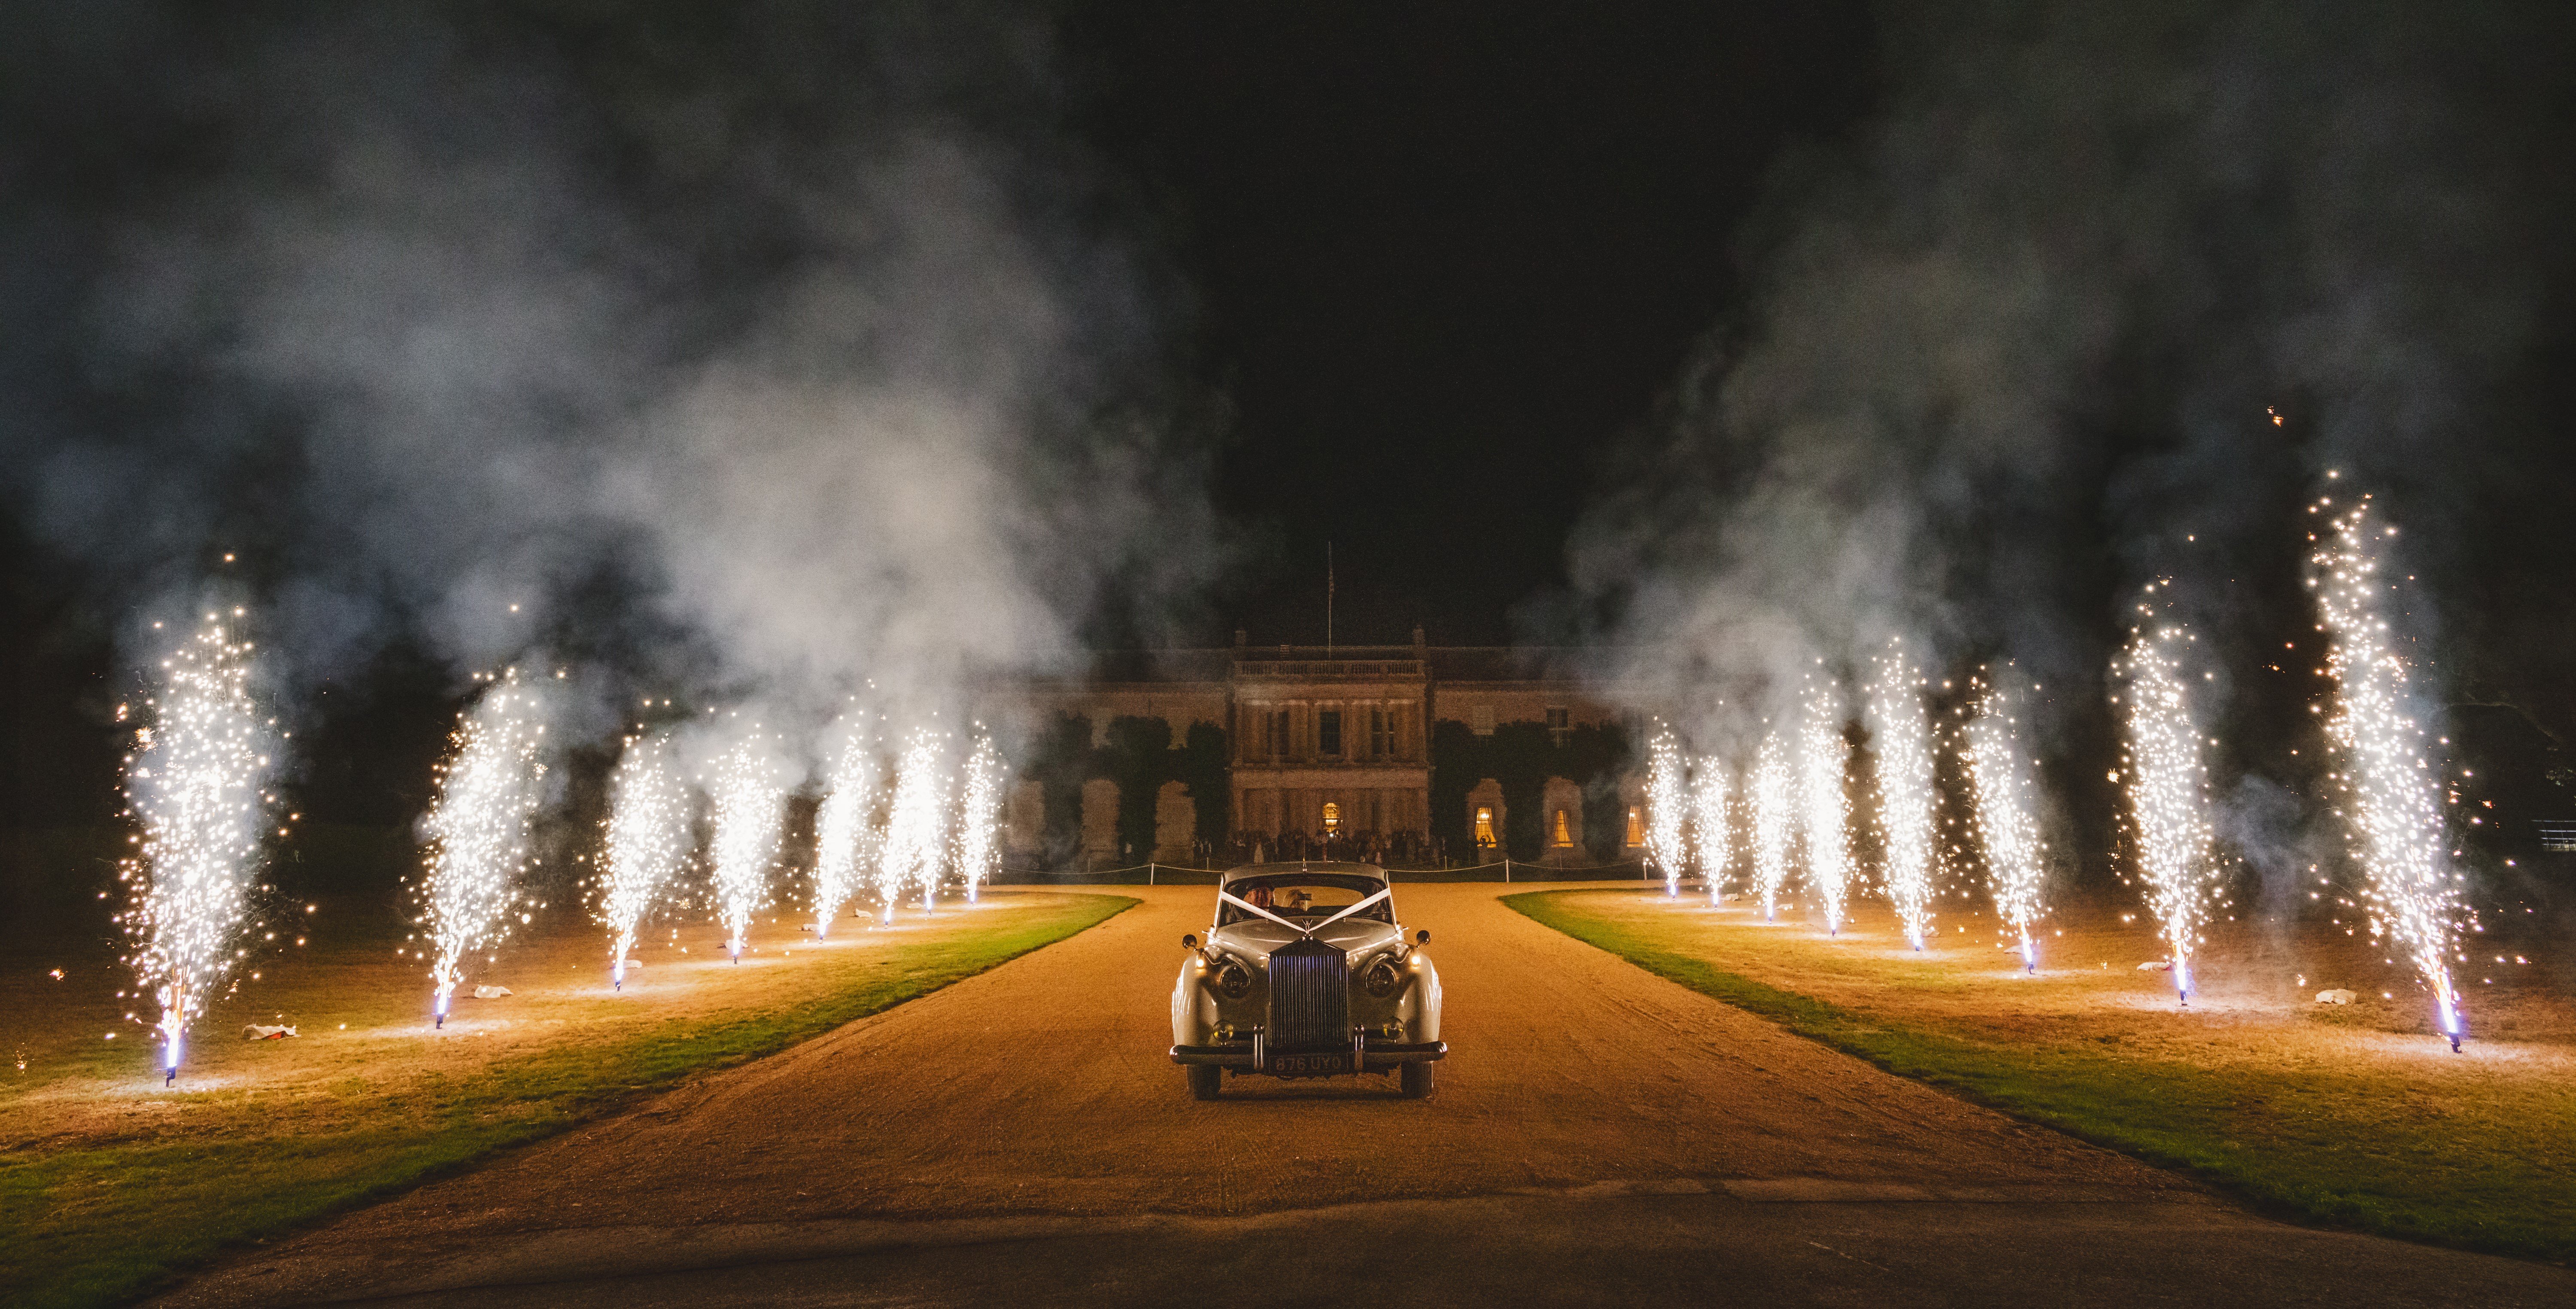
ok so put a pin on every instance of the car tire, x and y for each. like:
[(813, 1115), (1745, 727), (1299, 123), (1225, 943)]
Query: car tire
[(1204, 1080), (1416, 1079)]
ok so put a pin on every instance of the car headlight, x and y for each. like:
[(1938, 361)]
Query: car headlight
[(1381, 979), (1234, 981)]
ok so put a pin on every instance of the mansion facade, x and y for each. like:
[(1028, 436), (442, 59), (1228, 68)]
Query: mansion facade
[(1301, 751)]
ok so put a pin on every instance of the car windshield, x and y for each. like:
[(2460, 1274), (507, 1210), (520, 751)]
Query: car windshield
[(1303, 897)]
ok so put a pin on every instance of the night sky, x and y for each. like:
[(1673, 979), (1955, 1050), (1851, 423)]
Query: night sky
[(1461, 292)]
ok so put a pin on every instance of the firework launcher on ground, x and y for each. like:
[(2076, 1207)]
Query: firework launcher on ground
[(1306, 972)]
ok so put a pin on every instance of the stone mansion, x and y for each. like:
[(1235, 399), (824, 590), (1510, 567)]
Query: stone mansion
[(1377, 752)]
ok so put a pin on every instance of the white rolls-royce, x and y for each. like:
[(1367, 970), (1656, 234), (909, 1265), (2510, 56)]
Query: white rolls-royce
[(1306, 972)]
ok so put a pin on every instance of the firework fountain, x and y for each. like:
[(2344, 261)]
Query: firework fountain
[(2006, 831), (1708, 819), (1904, 740), (748, 800), (488, 789), (1666, 806), (846, 832), (979, 817), (2168, 786), (196, 780), (1774, 807), (2391, 801), (1823, 805), (916, 830), (648, 842)]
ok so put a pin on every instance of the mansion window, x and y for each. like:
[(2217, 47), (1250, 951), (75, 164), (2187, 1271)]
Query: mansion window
[(1636, 825), (1279, 734), (1559, 729), (1381, 733), (1560, 838), (1485, 825), (1328, 733), (1480, 719)]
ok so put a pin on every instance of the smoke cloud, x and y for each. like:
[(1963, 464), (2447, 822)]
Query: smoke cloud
[(2018, 347), (779, 354)]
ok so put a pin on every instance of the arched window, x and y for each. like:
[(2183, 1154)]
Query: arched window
[(1484, 824), (1636, 825), (1560, 838), (1332, 817)]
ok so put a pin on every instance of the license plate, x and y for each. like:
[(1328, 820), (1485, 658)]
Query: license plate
[(1309, 1065)]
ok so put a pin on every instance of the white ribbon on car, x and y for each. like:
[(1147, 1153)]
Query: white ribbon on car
[(1240, 902)]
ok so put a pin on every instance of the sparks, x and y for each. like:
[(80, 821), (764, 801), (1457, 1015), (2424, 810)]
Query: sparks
[(979, 817), (2006, 831), (916, 830), (1774, 822), (1904, 741), (848, 831), (2393, 809), (1666, 807), (748, 797), (2168, 786), (648, 842), (488, 789), (1824, 805), (1716, 836), (196, 781)]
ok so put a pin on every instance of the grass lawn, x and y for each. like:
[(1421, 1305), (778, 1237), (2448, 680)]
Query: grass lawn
[(2350, 1115), (108, 1182)]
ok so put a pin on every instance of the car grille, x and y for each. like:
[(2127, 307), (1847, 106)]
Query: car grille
[(1310, 997)]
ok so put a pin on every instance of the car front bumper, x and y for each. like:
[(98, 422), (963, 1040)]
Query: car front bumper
[(1249, 1057)]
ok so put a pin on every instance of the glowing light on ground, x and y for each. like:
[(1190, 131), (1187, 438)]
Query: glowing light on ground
[(748, 797), (2006, 830), (648, 842), (1667, 805), (1903, 736), (1709, 823), (979, 817), (489, 787), (197, 781), (2168, 788), (2392, 803), (1775, 819), (917, 828), (847, 832), (1824, 807)]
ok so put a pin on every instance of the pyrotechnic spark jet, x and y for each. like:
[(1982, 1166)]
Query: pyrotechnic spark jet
[(1904, 740), (488, 788), (648, 841), (749, 800), (2391, 800), (1825, 807), (1708, 815), (196, 781), (1775, 816), (1666, 806), (2005, 828), (2168, 789), (846, 830), (916, 831), (979, 817)]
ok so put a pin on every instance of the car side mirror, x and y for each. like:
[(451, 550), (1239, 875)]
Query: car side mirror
[(1422, 937), (1189, 941)]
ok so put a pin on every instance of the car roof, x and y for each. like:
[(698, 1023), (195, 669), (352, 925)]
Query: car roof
[(1303, 866)]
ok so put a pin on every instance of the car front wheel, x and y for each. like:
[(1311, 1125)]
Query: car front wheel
[(1204, 1080), (1416, 1080)]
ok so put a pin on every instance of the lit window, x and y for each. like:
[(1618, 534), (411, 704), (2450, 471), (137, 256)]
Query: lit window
[(1332, 817), (1636, 825), (1484, 824), (1562, 838)]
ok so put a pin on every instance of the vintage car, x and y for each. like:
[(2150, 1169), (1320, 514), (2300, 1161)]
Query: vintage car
[(1306, 973)]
